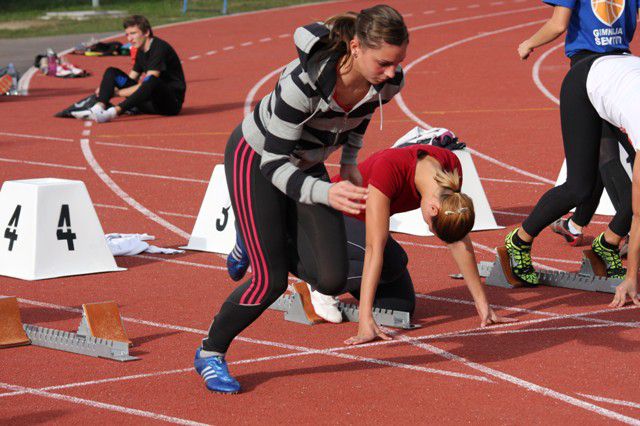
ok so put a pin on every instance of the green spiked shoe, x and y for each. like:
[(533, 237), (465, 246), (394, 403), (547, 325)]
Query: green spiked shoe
[(520, 260), (610, 257)]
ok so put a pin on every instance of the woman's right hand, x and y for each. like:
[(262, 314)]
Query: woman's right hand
[(524, 50), (347, 197), (628, 287)]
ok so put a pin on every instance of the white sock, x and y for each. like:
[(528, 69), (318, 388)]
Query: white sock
[(572, 228), (106, 115), (96, 108), (207, 354)]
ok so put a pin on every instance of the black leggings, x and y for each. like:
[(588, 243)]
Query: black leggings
[(153, 96), (395, 288), (280, 236), (612, 174), (581, 134)]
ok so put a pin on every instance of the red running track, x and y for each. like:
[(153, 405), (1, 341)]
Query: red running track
[(569, 360)]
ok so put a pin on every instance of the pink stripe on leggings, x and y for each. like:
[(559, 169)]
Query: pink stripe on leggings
[(238, 187), (258, 261)]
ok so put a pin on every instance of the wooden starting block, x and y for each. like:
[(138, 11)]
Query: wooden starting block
[(591, 277), (11, 330), (100, 334), (103, 320)]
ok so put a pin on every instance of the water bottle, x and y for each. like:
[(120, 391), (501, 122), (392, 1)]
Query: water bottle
[(52, 62), (11, 70)]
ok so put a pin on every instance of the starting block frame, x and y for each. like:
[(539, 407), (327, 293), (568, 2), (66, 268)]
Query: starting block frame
[(591, 277), (296, 307), (89, 340)]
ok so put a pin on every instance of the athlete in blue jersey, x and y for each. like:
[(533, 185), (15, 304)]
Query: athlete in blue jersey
[(595, 28)]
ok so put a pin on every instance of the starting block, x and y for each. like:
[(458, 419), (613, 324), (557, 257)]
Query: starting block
[(101, 333), (297, 308), (591, 277)]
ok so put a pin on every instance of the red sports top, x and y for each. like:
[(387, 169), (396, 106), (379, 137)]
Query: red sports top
[(392, 171)]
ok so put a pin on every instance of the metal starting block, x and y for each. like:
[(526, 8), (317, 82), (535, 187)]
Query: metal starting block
[(591, 277), (100, 334), (297, 307)]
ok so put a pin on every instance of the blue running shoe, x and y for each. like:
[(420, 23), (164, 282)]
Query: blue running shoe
[(215, 373), (238, 260)]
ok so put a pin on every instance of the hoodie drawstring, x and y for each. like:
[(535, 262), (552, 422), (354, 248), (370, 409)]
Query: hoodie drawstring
[(380, 106)]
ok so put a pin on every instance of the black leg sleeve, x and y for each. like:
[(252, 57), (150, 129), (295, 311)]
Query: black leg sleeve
[(581, 132), (112, 78), (153, 97)]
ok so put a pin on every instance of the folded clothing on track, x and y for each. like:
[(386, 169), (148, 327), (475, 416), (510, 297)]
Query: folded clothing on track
[(132, 244)]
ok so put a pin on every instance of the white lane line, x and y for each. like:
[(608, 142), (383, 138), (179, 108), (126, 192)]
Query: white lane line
[(88, 123), (524, 182), (450, 9), (86, 132), (473, 6), (149, 175), (194, 57), (266, 39), (228, 48), (549, 315), (109, 206), (285, 35), (532, 387), (211, 52), (151, 375), (527, 214), (88, 155), (442, 247), (400, 100), (46, 138), (101, 405), (611, 401), (496, 3), (535, 74), (248, 43), (38, 163), (407, 15), (303, 349), (159, 148), (428, 12), (190, 216)]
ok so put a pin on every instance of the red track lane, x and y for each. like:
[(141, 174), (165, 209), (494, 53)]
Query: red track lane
[(555, 366)]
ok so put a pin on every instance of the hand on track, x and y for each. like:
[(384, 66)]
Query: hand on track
[(368, 331), (626, 288)]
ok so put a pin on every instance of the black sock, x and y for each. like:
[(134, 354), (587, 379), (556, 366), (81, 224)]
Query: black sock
[(519, 242), (607, 244)]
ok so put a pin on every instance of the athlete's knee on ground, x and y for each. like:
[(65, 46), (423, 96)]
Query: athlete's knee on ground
[(332, 280)]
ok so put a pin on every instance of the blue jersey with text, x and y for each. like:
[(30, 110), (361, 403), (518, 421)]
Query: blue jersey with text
[(599, 25)]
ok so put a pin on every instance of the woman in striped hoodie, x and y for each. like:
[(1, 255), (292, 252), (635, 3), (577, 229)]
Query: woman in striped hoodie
[(287, 210)]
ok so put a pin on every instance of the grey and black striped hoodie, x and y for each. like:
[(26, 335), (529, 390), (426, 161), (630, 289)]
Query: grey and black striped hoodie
[(299, 124)]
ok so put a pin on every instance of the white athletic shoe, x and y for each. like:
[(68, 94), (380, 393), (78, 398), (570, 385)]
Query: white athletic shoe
[(104, 115), (325, 306), (88, 114)]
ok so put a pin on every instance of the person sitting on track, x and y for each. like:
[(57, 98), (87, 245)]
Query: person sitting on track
[(324, 99), (162, 89), (601, 87), (399, 180), (593, 30)]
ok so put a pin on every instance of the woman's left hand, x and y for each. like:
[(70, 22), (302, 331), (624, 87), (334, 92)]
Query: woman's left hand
[(489, 317), (351, 173)]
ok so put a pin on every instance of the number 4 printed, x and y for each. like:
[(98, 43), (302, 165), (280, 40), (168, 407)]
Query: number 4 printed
[(12, 234), (65, 221)]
